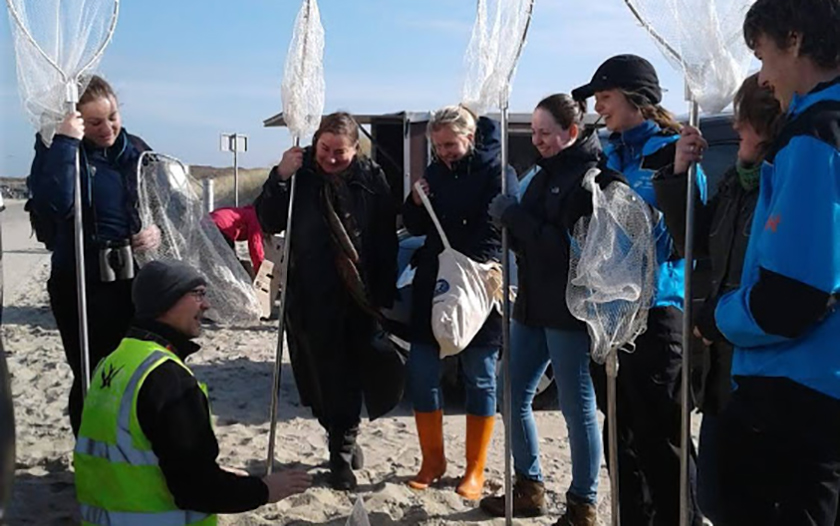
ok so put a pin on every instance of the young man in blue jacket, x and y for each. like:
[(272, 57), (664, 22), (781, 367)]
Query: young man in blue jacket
[(780, 445)]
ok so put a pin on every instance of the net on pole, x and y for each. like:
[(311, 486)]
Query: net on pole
[(57, 42), (703, 39), (303, 75), (168, 199), (612, 268), (303, 103), (497, 39)]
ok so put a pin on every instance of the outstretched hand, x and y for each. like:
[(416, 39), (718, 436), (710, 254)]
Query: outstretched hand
[(286, 483)]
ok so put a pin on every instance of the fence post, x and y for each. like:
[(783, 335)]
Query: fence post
[(207, 195)]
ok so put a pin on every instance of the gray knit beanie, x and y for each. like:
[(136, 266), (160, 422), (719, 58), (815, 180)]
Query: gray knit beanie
[(160, 284)]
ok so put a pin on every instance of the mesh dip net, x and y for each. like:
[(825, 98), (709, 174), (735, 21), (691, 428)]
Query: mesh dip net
[(612, 268), (168, 200), (704, 39), (497, 40), (58, 43)]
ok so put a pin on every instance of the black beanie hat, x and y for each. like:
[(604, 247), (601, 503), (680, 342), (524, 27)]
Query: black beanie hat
[(160, 284), (628, 72)]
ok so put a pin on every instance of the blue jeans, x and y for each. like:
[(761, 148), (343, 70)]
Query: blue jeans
[(568, 351), (478, 369)]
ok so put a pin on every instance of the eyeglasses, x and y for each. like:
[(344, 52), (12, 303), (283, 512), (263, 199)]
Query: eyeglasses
[(199, 294)]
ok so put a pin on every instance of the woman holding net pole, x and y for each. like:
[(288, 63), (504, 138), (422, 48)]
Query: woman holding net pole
[(342, 270), (627, 95), (112, 226), (543, 330)]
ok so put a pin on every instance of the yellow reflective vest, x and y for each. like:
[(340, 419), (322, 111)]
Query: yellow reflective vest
[(118, 479)]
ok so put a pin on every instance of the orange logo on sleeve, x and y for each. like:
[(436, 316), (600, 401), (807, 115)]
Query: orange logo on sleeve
[(773, 223)]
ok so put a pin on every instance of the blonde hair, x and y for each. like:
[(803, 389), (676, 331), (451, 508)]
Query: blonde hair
[(458, 118)]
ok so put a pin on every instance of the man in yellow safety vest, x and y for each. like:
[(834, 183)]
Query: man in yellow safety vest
[(146, 452)]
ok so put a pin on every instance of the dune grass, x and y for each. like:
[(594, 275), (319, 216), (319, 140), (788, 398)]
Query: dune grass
[(250, 183)]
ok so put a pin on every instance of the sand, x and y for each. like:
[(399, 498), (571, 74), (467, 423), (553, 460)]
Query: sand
[(236, 363)]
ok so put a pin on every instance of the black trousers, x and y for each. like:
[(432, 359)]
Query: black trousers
[(109, 310), (779, 456), (649, 425)]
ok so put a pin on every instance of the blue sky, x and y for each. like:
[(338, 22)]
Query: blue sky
[(186, 70)]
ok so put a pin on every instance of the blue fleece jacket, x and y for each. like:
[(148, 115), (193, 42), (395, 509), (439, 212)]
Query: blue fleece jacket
[(638, 154)]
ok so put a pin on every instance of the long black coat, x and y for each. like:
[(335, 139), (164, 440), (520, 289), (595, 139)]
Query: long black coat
[(721, 233), (326, 327), (460, 197)]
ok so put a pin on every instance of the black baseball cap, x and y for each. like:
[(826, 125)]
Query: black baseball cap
[(628, 72)]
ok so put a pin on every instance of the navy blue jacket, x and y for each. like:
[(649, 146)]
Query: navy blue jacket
[(109, 195), (782, 319), (460, 198)]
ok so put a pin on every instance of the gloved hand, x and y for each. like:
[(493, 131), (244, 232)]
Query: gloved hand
[(499, 205)]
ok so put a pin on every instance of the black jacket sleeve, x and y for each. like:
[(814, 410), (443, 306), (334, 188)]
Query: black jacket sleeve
[(173, 413), (542, 236), (272, 205), (671, 192)]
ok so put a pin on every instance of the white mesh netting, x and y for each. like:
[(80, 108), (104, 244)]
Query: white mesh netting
[(493, 51), (359, 516), (303, 89), (56, 42), (168, 200), (707, 37), (612, 267)]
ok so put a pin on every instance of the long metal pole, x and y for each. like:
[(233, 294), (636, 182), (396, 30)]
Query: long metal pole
[(278, 365), (506, 412), (504, 106), (612, 435), (685, 487), (235, 144), (72, 98)]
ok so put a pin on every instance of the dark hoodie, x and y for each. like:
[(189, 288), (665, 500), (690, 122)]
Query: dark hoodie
[(174, 415), (109, 195), (539, 227), (460, 198)]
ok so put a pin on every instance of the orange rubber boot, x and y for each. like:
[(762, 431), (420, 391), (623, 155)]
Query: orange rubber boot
[(479, 433), (430, 433)]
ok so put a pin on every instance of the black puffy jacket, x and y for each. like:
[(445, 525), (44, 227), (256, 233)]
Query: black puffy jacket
[(551, 205)]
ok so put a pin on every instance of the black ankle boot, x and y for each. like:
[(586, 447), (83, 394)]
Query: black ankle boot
[(342, 477), (345, 455)]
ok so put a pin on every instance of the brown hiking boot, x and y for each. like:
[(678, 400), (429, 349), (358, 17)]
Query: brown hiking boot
[(528, 500), (578, 513)]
